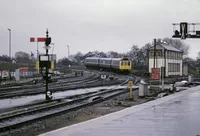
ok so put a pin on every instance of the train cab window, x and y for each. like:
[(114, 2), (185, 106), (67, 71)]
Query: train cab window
[(125, 63), (129, 63), (122, 63)]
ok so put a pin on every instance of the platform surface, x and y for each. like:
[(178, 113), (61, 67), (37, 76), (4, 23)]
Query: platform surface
[(173, 115)]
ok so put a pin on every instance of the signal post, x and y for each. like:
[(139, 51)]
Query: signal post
[(47, 42), (186, 30), (45, 63)]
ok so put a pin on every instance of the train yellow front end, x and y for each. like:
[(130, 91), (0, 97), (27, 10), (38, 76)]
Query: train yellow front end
[(125, 65)]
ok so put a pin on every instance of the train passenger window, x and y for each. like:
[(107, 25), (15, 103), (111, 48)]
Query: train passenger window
[(129, 63)]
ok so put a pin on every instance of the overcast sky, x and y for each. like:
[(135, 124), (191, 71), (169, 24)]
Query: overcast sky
[(88, 25)]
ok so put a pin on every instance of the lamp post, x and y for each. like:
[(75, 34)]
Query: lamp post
[(162, 68), (9, 49), (163, 57), (37, 51), (9, 42), (163, 65), (53, 47), (68, 51)]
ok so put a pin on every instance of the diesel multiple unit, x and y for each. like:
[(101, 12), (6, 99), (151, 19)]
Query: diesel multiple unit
[(116, 64)]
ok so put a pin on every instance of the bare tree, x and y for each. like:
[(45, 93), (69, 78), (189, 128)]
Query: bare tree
[(64, 61), (89, 54), (23, 57), (179, 44), (133, 53), (78, 58), (5, 58), (198, 55), (113, 54), (143, 53), (198, 60)]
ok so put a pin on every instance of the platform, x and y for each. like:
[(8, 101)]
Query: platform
[(173, 115)]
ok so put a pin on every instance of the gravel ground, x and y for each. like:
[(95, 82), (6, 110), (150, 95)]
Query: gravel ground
[(115, 104)]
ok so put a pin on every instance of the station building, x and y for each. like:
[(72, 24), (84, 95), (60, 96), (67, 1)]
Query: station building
[(168, 57)]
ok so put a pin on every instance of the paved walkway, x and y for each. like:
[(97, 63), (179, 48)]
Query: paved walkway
[(174, 115)]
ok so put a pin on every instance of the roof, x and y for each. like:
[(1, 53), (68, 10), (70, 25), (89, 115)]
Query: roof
[(103, 58), (92, 58), (116, 58), (168, 47)]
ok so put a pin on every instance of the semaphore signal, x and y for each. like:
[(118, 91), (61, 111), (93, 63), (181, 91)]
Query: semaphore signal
[(186, 30)]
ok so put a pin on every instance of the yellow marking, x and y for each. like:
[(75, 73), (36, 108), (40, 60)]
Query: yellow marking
[(37, 65), (52, 65), (130, 83)]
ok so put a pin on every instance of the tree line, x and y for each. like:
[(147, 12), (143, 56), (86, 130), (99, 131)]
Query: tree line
[(139, 55), (20, 57)]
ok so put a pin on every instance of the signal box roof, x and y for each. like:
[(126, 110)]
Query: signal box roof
[(168, 47)]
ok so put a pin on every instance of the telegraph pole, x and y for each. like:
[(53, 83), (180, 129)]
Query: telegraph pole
[(154, 64), (9, 42)]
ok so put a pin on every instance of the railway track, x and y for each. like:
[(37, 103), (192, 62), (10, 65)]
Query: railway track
[(54, 87), (25, 86), (91, 81), (29, 81), (64, 80), (43, 102), (20, 117)]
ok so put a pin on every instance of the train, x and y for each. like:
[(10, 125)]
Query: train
[(123, 65)]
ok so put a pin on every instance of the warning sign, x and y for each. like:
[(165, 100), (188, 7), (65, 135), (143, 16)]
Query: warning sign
[(155, 74)]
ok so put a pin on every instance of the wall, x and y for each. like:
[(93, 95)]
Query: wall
[(174, 61), (161, 62), (185, 70)]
